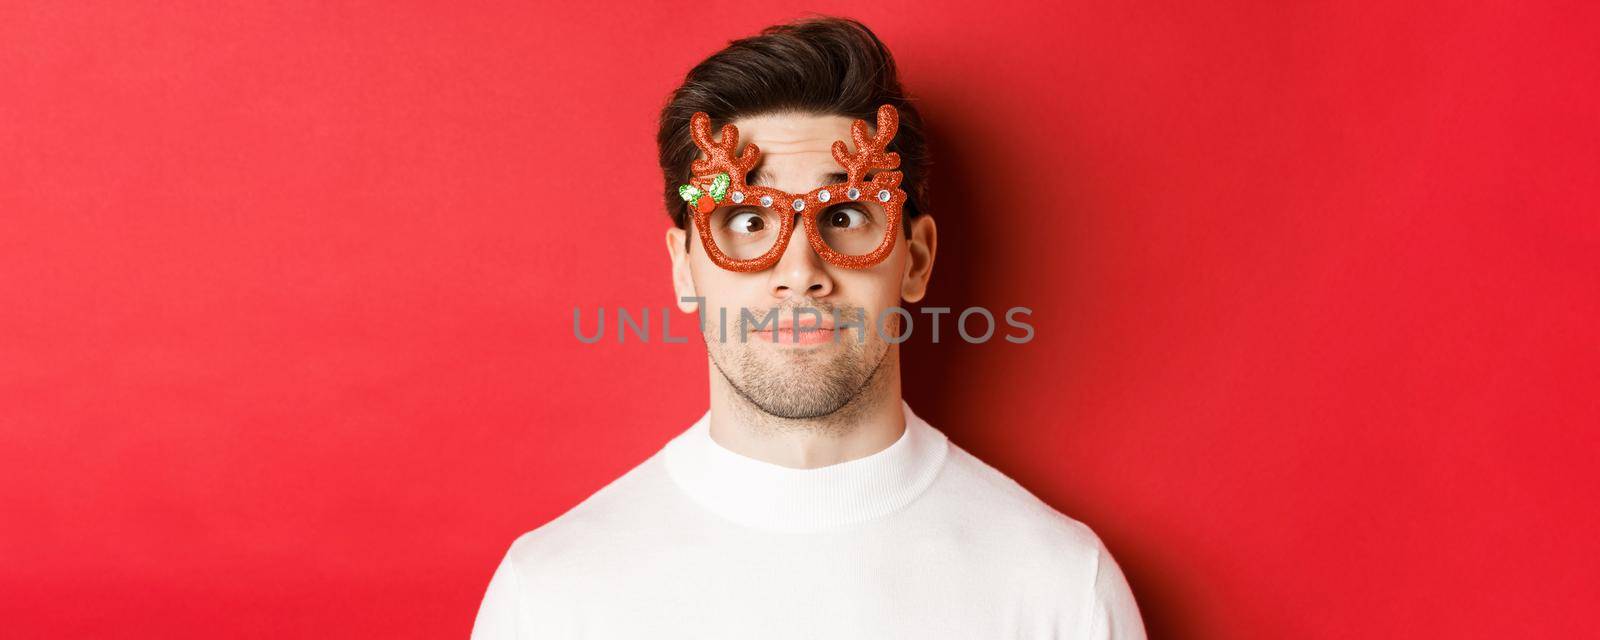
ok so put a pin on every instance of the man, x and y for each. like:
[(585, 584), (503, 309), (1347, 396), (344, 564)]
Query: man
[(810, 501)]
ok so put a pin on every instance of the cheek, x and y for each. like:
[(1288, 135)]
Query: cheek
[(725, 289), (887, 275), (876, 288)]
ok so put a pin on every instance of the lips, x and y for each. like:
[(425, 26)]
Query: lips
[(791, 336), (806, 323), (807, 330)]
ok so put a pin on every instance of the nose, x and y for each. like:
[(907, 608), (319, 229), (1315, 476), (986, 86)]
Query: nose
[(800, 271)]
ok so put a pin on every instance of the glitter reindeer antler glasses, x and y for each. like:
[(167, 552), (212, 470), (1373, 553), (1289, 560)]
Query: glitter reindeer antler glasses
[(746, 227)]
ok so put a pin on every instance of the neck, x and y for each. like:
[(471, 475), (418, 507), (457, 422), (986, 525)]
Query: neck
[(868, 423)]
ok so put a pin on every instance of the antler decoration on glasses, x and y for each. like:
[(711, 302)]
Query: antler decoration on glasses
[(720, 158), (869, 149)]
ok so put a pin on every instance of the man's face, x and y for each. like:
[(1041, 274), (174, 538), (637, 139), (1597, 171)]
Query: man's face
[(806, 368)]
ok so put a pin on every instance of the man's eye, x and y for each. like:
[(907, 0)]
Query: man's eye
[(846, 218), (746, 222)]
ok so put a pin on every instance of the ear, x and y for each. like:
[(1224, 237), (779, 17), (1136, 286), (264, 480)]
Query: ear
[(682, 277), (921, 244)]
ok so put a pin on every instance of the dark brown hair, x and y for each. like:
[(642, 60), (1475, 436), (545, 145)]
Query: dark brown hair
[(822, 65)]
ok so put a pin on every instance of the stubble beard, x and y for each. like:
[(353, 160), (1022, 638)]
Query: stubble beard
[(819, 386)]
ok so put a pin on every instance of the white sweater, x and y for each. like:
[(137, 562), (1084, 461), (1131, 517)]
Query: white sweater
[(920, 540)]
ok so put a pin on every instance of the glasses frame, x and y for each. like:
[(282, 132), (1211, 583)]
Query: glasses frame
[(883, 189)]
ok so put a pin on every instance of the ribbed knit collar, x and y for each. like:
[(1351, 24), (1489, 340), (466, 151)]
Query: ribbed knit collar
[(769, 496)]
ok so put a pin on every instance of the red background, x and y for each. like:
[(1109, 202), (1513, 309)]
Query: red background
[(286, 344)]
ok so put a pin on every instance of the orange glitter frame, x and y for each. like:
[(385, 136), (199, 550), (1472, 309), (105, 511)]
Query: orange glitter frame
[(883, 188)]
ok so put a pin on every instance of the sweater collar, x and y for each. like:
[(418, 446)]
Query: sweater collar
[(769, 496)]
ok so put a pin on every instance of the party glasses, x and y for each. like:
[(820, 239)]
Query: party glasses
[(852, 224)]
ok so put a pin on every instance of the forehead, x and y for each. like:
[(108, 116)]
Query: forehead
[(796, 148), (793, 133)]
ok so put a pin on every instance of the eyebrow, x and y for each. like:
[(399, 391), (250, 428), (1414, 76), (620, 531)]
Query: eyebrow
[(762, 177)]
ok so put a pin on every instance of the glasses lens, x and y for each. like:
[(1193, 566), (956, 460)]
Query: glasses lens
[(745, 232), (853, 228)]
